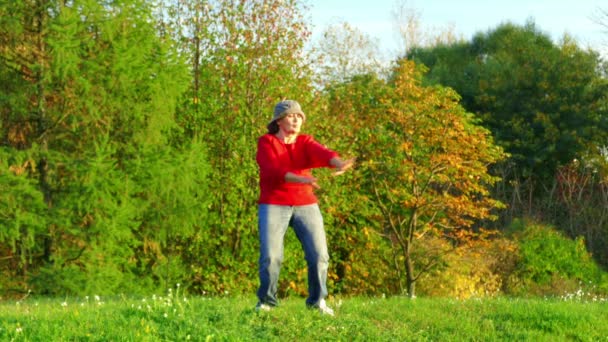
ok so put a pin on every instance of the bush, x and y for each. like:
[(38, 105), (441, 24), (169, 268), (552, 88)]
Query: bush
[(550, 263), (473, 271)]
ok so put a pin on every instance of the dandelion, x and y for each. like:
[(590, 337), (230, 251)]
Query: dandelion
[(64, 304), (97, 298), (166, 315), (18, 330)]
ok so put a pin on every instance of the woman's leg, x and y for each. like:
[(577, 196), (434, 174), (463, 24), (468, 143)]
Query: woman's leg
[(273, 221), (307, 221)]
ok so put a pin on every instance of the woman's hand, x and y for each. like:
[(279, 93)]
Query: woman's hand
[(341, 165), (293, 178)]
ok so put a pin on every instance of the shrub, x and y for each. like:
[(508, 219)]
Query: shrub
[(550, 263), (475, 270)]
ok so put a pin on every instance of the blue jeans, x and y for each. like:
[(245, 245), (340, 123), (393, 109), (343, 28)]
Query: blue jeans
[(307, 221)]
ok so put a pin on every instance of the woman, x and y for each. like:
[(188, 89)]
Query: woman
[(285, 159)]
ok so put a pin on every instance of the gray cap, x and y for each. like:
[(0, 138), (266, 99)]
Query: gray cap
[(286, 107)]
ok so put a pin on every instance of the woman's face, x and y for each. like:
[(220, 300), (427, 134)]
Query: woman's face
[(291, 123)]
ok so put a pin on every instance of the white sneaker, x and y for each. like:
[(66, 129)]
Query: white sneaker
[(324, 309), (262, 307)]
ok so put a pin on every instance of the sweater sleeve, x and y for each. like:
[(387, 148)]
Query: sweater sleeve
[(318, 154)]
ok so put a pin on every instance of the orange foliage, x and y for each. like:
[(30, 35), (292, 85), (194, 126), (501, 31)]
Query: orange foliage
[(425, 159)]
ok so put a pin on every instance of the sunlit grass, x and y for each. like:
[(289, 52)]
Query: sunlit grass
[(175, 317)]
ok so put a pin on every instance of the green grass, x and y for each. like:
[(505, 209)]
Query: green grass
[(177, 318)]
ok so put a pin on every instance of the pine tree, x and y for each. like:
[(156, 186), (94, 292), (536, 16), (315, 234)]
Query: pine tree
[(89, 127)]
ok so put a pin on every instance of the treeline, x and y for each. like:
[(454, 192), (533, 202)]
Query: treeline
[(128, 141)]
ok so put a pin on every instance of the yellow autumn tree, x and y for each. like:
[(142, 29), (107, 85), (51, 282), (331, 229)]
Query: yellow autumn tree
[(427, 166)]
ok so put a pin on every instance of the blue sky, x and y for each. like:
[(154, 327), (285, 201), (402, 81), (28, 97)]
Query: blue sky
[(467, 17)]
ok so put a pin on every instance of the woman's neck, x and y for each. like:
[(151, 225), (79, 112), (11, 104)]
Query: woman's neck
[(286, 138)]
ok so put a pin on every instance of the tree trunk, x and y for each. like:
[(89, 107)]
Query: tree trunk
[(41, 119), (196, 62), (408, 262), (410, 281), (409, 276)]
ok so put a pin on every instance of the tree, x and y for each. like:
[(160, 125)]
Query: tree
[(362, 259), (601, 18), (408, 25), (344, 52), (423, 164), (411, 33), (244, 57), (542, 102), (432, 175), (88, 116)]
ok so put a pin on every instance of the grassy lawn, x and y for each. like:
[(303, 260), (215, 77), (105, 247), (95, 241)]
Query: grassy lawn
[(177, 318)]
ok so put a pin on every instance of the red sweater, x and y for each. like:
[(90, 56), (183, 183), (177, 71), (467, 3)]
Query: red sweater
[(276, 158)]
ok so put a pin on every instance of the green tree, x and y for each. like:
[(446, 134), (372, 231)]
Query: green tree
[(245, 56), (88, 124), (542, 102)]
